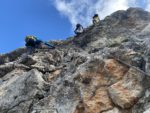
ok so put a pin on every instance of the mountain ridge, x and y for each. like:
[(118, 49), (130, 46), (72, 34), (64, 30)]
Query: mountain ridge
[(104, 70)]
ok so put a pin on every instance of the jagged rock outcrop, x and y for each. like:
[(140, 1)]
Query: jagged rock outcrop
[(104, 70)]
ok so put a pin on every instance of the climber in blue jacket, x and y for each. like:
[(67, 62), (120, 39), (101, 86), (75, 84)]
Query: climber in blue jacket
[(33, 42)]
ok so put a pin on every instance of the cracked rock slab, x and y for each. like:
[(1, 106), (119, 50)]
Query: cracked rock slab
[(20, 89), (127, 92)]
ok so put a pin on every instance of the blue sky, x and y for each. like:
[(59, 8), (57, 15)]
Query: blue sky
[(51, 19), (19, 18)]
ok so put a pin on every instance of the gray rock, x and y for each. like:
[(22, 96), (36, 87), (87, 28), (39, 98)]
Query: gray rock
[(106, 69), (20, 91)]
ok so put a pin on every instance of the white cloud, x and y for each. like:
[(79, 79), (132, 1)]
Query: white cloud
[(81, 11), (148, 5)]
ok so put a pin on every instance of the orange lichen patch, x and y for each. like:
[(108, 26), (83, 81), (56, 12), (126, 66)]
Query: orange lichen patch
[(98, 102), (94, 79), (122, 96), (116, 69), (95, 82), (104, 74)]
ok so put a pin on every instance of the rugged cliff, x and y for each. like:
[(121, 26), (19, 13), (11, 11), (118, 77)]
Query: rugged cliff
[(104, 70)]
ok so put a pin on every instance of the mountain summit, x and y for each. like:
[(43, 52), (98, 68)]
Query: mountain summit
[(106, 69)]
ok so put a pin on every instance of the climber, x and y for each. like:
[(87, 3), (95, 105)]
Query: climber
[(79, 29), (33, 42), (96, 19)]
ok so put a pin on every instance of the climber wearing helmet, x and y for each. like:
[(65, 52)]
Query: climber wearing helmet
[(33, 42), (79, 29), (96, 19)]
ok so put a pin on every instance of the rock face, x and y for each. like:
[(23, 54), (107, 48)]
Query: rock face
[(104, 70), (126, 92)]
